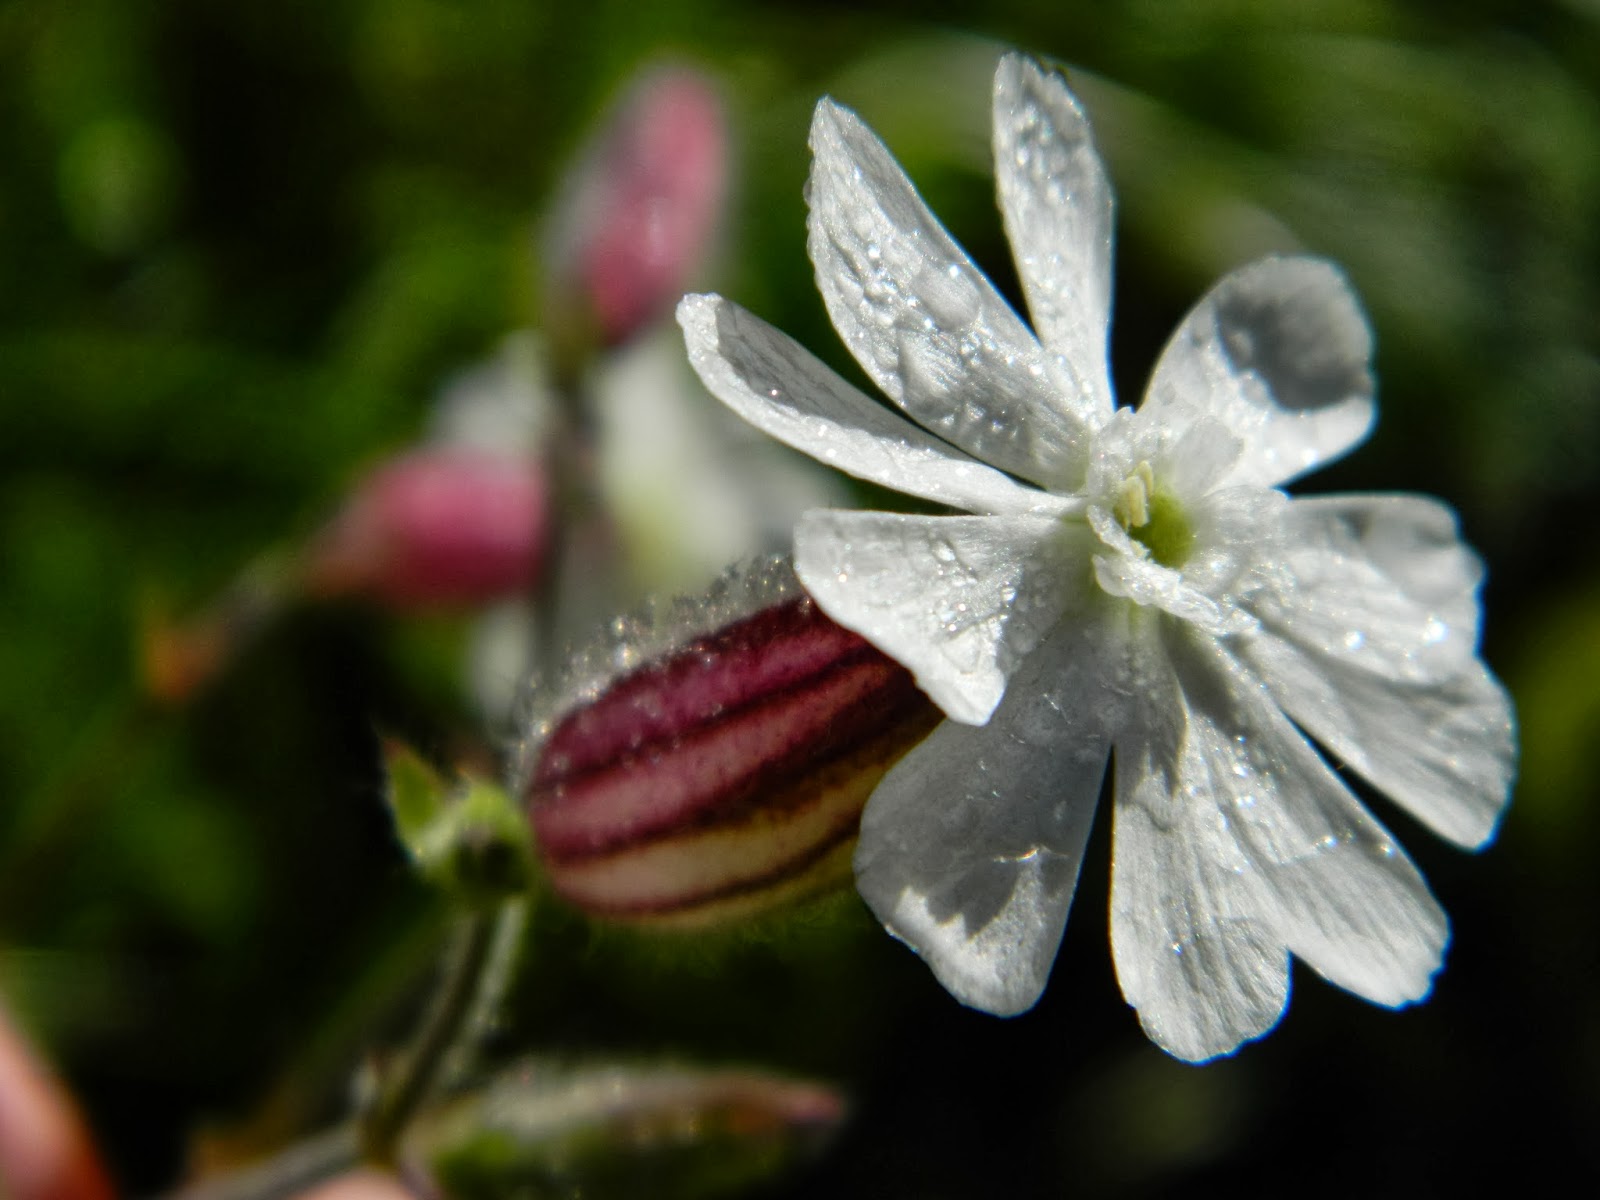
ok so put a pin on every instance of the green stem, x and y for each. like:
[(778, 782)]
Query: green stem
[(405, 1088), (581, 575)]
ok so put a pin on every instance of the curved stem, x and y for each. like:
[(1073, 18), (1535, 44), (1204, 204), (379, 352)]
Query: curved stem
[(405, 1088)]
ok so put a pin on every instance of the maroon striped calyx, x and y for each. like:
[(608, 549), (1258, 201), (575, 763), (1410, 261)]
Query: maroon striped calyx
[(724, 774)]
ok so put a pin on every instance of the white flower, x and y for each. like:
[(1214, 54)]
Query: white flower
[(1132, 582)]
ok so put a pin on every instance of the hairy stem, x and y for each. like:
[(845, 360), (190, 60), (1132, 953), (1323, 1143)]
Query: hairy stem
[(405, 1088)]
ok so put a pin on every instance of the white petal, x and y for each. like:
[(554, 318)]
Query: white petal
[(779, 386), (1370, 643), (1343, 893), (1236, 530), (1204, 981), (1236, 843), (960, 601), (1058, 215), (1203, 974), (971, 845), (1279, 352), (1414, 540), (1444, 751), (922, 320), (1380, 583)]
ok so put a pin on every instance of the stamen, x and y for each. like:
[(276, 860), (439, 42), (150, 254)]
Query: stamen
[(1132, 508)]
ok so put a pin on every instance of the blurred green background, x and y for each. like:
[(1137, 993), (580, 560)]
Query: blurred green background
[(241, 245)]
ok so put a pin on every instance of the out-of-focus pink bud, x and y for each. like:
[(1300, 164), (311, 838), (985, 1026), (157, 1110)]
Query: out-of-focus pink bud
[(637, 214), (725, 774), (45, 1151), (439, 527)]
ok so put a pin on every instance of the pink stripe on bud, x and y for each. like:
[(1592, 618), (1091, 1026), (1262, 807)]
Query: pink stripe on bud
[(728, 769), (436, 528)]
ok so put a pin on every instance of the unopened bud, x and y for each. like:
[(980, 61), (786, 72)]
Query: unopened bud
[(465, 835), (639, 210), (660, 1131), (45, 1151), (439, 527), (725, 773)]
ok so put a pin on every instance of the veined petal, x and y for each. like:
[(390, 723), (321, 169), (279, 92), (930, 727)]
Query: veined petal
[(779, 386), (1235, 843), (1204, 974), (1279, 352), (1343, 894), (979, 881), (1383, 584), (1414, 540), (1204, 978), (1443, 751), (1057, 206), (922, 320), (960, 601)]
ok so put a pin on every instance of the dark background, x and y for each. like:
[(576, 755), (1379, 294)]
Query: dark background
[(242, 245)]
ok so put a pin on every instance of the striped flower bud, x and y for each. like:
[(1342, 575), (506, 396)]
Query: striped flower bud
[(721, 771)]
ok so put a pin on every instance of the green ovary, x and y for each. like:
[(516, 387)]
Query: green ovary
[(1154, 518), (1168, 534)]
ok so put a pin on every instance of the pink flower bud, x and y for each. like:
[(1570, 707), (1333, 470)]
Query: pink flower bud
[(723, 774), (45, 1151), (438, 527), (637, 215)]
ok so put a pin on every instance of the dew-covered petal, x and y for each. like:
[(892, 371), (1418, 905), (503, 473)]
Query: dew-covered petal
[(1203, 979), (1412, 539), (923, 321), (1204, 974), (1340, 890), (1370, 642), (1279, 352), (1236, 531), (1382, 584), (1235, 843), (960, 601), (1443, 751), (1057, 206), (971, 845), (779, 386)]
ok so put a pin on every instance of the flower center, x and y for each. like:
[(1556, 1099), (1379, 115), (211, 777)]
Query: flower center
[(1153, 517)]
